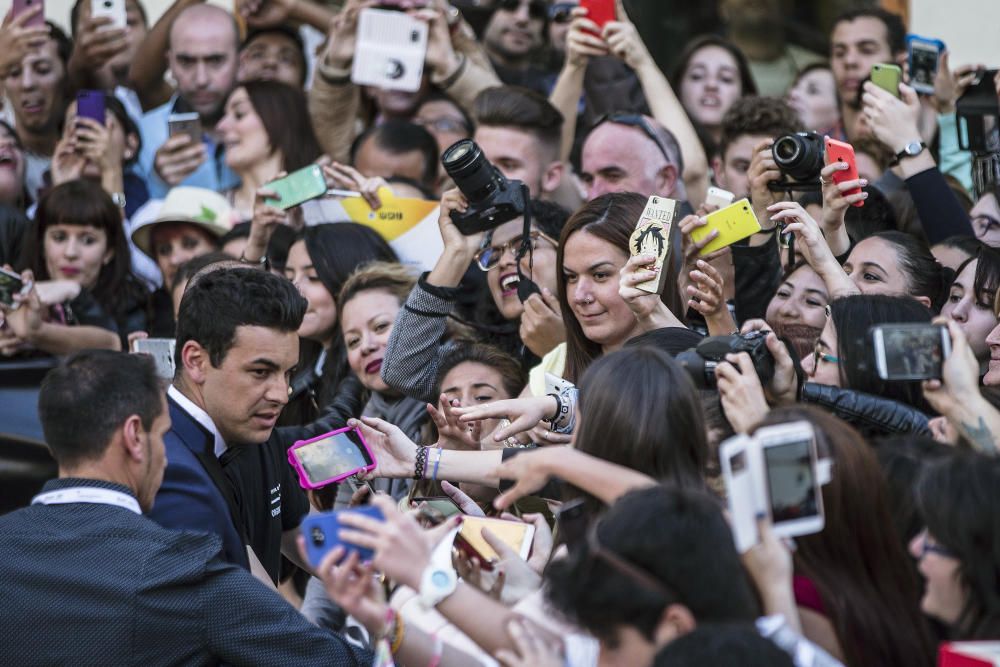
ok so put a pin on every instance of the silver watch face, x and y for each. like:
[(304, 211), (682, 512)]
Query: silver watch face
[(913, 149)]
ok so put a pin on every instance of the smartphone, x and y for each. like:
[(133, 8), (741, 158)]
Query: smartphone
[(910, 351), (21, 6), (839, 151), (390, 52), (734, 222), (90, 104), (322, 533), (10, 284), (978, 114), (442, 505), (887, 77), (162, 351), (719, 198), (923, 54), (185, 123), (298, 187), (735, 458), (652, 236), (599, 11), (793, 495), (330, 457), (514, 534), (113, 9), (555, 384)]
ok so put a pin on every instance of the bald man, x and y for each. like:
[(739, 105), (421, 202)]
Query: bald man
[(202, 57)]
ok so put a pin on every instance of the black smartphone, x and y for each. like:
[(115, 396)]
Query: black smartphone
[(10, 284)]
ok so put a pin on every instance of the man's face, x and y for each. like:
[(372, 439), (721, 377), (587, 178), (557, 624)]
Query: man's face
[(512, 34), (245, 395), (373, 160), (517, 154), (202, 58), (856, 46), (156, 458), (272, 56), (620, 158), (502, 279), (36, 90), (731, 169)]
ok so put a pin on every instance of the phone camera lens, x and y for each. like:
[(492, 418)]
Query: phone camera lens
[(318, 537)]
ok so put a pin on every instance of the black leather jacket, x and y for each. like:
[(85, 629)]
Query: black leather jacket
[(872, 415)]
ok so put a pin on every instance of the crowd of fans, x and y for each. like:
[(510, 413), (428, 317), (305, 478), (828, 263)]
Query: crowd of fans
[(527, 375)]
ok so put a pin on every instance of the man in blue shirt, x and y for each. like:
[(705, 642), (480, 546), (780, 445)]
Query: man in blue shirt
[(203, 59)]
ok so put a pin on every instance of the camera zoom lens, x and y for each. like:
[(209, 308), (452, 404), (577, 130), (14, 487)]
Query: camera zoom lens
[(472, 172), (786, 149)]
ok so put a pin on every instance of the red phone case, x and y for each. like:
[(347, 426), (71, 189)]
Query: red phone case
[(599, 11), (839, 151)]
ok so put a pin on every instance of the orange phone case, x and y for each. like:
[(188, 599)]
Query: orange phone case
[(839, 151)]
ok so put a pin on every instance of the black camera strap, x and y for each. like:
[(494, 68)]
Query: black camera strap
[(525, 285)]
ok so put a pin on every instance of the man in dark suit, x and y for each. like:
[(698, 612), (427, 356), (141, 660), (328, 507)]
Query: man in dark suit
[(92, 581), (228, 471)]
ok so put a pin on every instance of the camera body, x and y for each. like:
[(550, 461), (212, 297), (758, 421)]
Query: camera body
[(799, 157), (700, 361), (493, 198)]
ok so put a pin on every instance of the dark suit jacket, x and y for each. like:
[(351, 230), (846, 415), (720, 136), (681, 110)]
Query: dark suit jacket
[(90, 584), (195, 494)]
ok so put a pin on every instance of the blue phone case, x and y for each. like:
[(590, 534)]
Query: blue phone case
[(321, 532), (921, 79)]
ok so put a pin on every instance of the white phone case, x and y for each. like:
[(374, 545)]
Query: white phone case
[(115, 9), (391, 47), (162, 351), (719, 197)]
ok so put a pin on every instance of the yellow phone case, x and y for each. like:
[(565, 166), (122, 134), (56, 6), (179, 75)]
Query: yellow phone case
[(735, 223)]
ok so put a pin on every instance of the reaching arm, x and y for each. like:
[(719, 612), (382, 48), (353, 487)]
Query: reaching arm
[(150, 63), (581, 44)]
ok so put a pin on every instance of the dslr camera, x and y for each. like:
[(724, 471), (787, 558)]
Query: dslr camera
[(700, 361), (493, 198), (800, 158)]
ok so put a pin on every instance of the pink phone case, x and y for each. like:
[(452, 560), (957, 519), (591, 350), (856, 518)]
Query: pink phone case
[(303, 477), (21, 6)]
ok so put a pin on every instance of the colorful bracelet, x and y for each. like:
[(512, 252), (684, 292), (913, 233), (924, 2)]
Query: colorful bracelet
[(420, 464), (437, 462)]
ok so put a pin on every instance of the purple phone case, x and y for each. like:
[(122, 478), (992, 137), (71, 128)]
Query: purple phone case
[(21, 6), (304, 479), (90, 104)]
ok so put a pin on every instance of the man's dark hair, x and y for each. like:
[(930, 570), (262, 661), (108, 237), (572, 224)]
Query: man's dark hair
[(288, 33), (400, 136), (88, 397), (64, 45), (895, 29), (219, 302), (722, 644), (680, 538), (548, 217), (767, 116), (188, 269), (520, 108)]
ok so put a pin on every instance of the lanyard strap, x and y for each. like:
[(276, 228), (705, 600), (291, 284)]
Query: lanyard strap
[(87, 494)]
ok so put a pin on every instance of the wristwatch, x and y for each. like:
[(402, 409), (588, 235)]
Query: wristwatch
[(912, 149), (439, 579)]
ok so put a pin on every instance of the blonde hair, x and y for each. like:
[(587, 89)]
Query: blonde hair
[(391, 277)]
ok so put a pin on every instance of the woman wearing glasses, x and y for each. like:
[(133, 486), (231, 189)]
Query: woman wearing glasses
[(419, 341)]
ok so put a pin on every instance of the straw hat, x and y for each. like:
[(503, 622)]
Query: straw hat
[(202, 208)]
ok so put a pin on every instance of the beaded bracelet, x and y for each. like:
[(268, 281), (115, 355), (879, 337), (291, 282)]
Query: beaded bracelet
[(421, 463)]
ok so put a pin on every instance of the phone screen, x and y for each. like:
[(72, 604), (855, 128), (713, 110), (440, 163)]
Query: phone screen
[(513, 533), (791, 482), (923, 63), (298, 187), (913, 353), (332, 456), (10, 284)]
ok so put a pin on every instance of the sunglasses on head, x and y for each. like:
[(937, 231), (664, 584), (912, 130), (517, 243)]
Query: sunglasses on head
[(537, 9), (639, 121), (562, 12)]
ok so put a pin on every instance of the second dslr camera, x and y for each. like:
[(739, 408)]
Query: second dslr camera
[(799, 156), (493, 198)]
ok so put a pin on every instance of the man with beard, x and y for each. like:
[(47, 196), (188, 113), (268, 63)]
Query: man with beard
[(513, 36)]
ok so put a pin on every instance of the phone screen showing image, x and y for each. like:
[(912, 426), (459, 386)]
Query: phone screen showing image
[(331, 457), (791, 482), (923, 64), (10, 284), (913, 353)]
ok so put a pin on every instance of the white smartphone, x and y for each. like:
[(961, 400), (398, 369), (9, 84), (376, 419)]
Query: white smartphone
[(910, 351), (719, 197), (162, 351), (114, 9), (790, 483), (736, 455), (555, 384), (390, 51)]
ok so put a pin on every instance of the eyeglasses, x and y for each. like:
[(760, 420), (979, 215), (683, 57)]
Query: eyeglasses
[(820, 355), (444, 124), (929, 547), (489, 258), (640, 121), (625, 568), (537, 9), (561, 12)]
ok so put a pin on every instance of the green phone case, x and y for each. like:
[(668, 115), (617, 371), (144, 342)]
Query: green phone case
[(298, 187), (887, 77)]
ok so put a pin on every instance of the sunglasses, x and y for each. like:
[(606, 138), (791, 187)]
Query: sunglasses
[(562, 12), (638, 121), (489, 257), (929, 547), (537, 9)]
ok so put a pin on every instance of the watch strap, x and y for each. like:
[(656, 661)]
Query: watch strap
[(905, 153)]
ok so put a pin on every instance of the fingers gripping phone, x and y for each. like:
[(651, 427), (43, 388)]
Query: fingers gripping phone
[(91, 104), (599, 11), (839, 151), (910, 351), (36, 21), (185, 123), (113, 9), (391, 48), (330, 457), (298, 187), (10, 284), (322, 533), (514, 534), (734, 222), (887, 77)]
